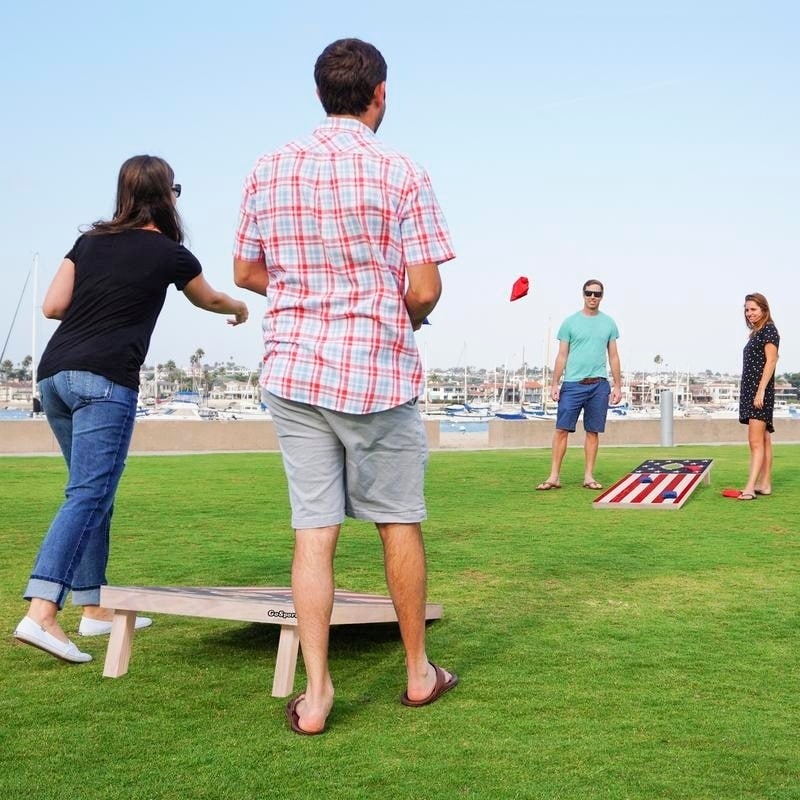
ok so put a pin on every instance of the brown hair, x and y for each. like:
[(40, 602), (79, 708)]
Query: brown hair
[(144, 197), (761, 302), (593, 280), (346, 73)]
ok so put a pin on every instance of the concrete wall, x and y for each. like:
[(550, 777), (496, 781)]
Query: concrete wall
[(19, 437), (539, 433)]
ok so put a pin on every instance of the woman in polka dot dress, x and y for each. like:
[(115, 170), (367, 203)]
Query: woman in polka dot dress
[(757, 393)]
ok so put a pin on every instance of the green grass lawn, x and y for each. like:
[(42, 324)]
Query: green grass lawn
[(602, 654)]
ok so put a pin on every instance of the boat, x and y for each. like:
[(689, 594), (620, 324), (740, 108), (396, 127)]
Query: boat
[(174, 409), (512, 415), (692, 411), (469, 411), (244, 411)]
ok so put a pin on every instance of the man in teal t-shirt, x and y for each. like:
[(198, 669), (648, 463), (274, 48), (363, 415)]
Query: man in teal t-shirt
[(586, 340)]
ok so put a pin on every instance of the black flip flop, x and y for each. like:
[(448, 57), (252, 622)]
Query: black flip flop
[(443, 684), (293, 718)]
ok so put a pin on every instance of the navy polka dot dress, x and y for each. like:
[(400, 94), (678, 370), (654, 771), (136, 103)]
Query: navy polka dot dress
[(752, 369)]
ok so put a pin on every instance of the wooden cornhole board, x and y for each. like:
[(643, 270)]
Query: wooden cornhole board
[(646, 485), (241, 603)]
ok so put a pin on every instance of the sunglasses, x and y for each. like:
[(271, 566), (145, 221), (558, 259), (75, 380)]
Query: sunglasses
[(589, 293), (176, 190)]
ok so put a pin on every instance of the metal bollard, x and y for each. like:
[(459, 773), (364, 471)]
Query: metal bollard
[(666, 419)]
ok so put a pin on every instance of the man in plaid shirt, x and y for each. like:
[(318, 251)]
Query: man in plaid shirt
[(344, 237)]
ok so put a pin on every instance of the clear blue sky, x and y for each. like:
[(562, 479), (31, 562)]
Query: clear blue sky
[(651, 145)]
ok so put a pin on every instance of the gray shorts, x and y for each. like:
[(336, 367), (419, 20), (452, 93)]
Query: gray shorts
[(365, 466)]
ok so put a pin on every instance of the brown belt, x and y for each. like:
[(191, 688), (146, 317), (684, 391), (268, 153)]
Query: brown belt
[(588, 381)]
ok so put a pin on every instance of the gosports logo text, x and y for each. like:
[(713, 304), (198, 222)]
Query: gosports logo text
[(281, 614)]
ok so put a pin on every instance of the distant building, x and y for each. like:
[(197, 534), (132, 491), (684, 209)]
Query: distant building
[(16, 393), (786, 393), (236, 392), (715, 393)]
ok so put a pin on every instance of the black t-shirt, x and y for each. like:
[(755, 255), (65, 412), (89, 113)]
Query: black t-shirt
[(121, 282)]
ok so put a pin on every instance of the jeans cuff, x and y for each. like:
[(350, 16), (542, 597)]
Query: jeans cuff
[(86, 597), (46, 590)]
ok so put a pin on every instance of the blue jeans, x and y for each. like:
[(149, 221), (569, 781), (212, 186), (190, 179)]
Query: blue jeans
[(92, 419)]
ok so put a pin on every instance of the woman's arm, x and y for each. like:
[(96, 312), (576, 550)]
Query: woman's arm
[(59, 294), (771, 353), (200, 293)]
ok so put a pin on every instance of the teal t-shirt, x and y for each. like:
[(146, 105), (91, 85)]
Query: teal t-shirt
[(588, 339)]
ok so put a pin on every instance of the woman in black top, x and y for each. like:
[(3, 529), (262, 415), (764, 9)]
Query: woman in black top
[(108, 293), (757, 393)]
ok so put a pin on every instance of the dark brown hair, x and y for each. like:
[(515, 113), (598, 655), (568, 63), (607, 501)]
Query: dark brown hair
[(346, 74), (144, 197), (593, 280), (761, 302)]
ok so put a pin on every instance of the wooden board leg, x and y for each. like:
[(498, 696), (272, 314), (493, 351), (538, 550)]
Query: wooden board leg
[(120, 644), (286, 662)]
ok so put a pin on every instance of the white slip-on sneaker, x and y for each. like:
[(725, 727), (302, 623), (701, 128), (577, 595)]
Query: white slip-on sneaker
[(32, 633), (98, 627)]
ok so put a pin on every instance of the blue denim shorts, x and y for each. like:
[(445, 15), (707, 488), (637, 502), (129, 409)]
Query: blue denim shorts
[(365, 466), (590, 398)]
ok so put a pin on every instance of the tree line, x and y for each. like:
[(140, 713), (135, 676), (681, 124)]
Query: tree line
[(218, 373), (169, 372)]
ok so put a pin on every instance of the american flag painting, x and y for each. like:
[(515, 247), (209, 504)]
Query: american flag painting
[(657, 483)]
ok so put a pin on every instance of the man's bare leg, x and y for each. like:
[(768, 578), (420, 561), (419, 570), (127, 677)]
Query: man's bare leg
[(560, 438), (312, 594), (590, 447), (406, 577)]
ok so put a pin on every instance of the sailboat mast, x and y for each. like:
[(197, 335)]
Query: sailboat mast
[(545, 384), (14, 318), (34, 294)]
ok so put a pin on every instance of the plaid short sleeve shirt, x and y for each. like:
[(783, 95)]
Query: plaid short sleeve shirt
[(338, 218)]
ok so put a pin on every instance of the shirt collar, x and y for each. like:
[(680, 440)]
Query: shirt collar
[(346, 124)]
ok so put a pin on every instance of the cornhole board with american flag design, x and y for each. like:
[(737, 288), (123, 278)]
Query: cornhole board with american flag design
[(657, 483), (242, 603)]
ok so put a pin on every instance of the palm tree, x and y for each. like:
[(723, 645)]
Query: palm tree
[(196, 361), (658, 361), (25, 372)]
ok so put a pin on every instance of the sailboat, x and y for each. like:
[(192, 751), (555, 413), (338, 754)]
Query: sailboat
[(32, 273)]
